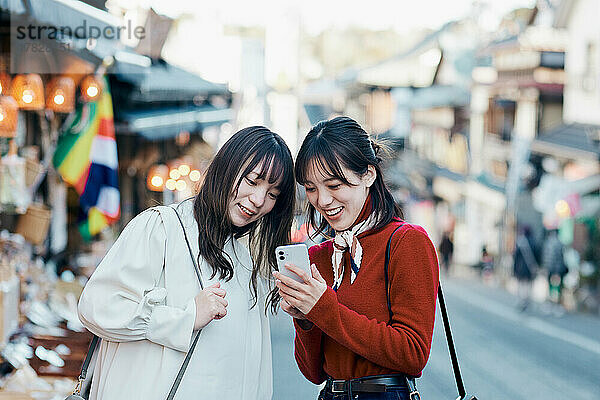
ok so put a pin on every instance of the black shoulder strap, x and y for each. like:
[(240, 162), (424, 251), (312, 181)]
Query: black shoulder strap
[(188, 356), (85, 365), (196, 267), (410, 381), (457, 376), (455, 367)]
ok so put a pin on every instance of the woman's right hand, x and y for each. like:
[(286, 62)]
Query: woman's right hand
[(210, 304)]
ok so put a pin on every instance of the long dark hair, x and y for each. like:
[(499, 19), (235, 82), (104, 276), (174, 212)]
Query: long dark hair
[(343, 142), (245, 150)]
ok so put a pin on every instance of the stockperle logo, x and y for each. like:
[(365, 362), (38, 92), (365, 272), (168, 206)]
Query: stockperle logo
[(84, 30)]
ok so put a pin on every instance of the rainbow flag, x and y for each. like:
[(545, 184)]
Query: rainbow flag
[(86, 158)]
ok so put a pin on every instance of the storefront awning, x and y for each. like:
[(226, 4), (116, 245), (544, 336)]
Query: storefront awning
[(572, 141), (168, 122), (439, 96), (14, 6), (162, 82), (73, 14)]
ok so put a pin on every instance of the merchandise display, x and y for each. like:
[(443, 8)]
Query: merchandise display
[(42, 342)]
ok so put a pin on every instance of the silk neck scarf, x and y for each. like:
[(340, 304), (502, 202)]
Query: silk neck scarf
[(347, 240)]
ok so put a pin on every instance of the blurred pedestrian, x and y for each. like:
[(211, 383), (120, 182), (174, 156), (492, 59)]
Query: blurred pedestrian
[(525, 264), (145, 301), (553, 262), (446, 250), (485, 265), (360, 327)]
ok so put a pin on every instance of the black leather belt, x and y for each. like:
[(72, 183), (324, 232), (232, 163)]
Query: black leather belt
[(367, 384)]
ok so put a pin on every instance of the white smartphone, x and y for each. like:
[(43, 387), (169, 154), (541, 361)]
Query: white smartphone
[(296, 254)]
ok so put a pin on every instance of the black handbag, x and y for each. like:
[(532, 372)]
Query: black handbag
[(77, 392), (410, 381)]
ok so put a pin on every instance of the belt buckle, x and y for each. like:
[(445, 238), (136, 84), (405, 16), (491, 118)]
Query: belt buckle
[(338, 386)]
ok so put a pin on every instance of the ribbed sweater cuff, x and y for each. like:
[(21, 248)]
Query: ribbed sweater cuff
[(323, 308)]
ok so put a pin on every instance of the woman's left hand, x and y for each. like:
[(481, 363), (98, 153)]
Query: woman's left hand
[(292, 311), (301, 295)]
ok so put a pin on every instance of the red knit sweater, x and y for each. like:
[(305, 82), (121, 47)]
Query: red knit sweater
[(351, 337)]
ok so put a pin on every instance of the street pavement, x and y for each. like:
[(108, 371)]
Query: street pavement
[(288, 382), (503, 353)]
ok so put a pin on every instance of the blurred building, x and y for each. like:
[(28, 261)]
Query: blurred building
[(521, 97), (419, 99), (534, 133), (162, 113)]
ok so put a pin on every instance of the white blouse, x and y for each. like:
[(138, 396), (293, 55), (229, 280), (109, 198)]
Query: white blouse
[(145, 315)]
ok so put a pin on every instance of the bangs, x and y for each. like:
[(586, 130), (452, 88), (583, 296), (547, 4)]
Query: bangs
[(272, 169), (275, 166), (322, 158)]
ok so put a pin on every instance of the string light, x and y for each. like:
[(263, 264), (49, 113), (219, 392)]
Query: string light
[(157, 175), (562, 209), (195, 175), (184, 169), (181, 185), (171, 184), (174, 174)]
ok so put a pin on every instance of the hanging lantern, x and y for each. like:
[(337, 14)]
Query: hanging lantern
[(157, 177), (8, 116), (4, 84), (28, 91), (91, 88), (182, 138), (60, 95)]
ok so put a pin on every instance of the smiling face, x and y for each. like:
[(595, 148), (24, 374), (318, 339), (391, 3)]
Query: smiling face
[(338, 202), (254, 198)]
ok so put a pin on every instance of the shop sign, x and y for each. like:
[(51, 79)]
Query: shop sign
[(483, 194), (517, 60), (447, 189), (435, 145), (442, 117)]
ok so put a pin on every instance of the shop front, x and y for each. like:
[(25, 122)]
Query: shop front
[(91, 133)]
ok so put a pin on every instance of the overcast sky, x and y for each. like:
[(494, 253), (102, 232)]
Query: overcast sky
[(214, 57), (402, 15)]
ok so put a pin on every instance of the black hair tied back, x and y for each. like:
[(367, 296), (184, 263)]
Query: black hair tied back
[(376, 150), (338, 144)]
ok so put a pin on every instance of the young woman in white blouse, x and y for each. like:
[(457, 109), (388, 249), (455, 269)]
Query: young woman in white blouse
[(145, 302)]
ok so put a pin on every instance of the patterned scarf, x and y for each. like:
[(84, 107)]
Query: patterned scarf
[(348, 240)]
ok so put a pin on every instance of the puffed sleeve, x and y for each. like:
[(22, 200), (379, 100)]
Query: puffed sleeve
[(123, 302)]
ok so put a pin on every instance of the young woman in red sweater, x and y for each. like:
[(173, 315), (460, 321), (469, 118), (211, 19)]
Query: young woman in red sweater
[(349, 331)]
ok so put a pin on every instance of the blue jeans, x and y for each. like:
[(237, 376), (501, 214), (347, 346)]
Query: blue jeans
[(391, 394)]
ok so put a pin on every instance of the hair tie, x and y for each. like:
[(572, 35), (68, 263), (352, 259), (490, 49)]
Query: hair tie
[(376, 148)]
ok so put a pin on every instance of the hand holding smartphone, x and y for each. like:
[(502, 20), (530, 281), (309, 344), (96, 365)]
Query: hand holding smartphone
[(296, 254)]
